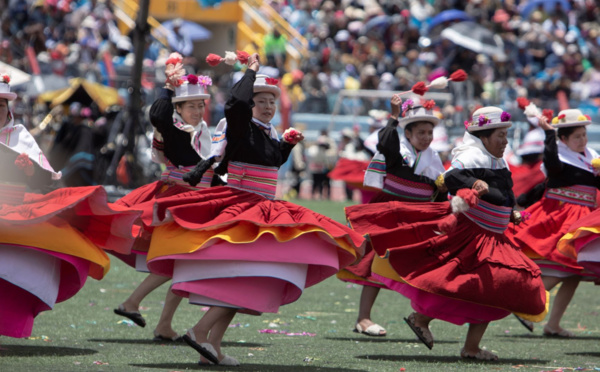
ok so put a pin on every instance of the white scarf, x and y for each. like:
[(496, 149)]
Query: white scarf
[(473, 154), (17, 138), (426, 163), (219, 139), (576, 159), (199, 139)]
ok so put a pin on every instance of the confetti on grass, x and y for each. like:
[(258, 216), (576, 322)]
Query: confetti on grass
[(274, 331)]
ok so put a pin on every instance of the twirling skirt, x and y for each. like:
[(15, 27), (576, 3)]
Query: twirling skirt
[(468, 275), (228, 247), (538, 237), (49, 245), (582, 243)]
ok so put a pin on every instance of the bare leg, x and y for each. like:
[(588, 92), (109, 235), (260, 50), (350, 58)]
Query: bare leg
[(561, 301), (474, 336), (422, 321), (209, 320), (367, 299), (152, 281), (550, 281), (218, 330), (164, 326)]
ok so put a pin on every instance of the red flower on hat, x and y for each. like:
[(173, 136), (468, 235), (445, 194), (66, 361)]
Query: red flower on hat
[(192, 79), (420, 88), (560, 117), (588, 117), (6, 79), (523, 102), (271, 81), (429, 104)]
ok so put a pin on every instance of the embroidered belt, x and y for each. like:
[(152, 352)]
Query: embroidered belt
[(576, 194), (489, 216), (407, 189), (259, 179), (174, 176), (12, 193)]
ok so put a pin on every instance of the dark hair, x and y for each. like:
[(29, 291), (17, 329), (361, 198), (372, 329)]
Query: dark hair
[(410, 126), (567, 131), (486, 133)]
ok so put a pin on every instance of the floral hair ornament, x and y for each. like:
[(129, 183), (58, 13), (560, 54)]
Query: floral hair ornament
[(442, 81), (174, 69), (571, 118), (488, 118), (230, 58)]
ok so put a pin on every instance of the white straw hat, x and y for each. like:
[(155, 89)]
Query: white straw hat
[(264, 83), (488, 118), (5, 88), (571, 118), (193, 87), (414, 111)]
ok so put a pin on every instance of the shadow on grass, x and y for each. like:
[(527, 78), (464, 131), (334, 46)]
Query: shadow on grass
[(549, 338), (246, 367), (148, 341), (446, 359), (42, 351), (386, 340), (586, 353)]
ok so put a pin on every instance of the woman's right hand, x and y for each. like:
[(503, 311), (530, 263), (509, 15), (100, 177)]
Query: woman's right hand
[(481, 187), (254, 62), (396, 102), (543, 123)]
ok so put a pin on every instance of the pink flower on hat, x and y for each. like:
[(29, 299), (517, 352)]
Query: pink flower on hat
[(483, 120), (204, 81), (505, 116)]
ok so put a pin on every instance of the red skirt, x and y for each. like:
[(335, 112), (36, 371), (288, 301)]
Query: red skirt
[(228, 247), (49, 245), (538, 236), (375, 220), (350, 171), (470, 274), (525, 177)]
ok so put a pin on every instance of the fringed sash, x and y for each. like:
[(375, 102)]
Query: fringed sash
[(489, 216), (407, 189), (259, 179), (576, 194), (174, 176)]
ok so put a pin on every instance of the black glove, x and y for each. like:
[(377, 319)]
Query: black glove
[(194, 176)]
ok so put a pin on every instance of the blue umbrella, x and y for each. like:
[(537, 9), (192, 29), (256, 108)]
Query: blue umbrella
[(449, 15), (191, 29), (549, 6)]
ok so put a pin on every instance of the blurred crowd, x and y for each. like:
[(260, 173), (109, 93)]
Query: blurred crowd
[(549, 50)]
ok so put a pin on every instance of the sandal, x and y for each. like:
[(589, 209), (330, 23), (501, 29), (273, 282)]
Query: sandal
[(372, 330), (137, 318), (480, 355), (160, 338), (205, 349), (526, 323), (562, 333), (423, 334)]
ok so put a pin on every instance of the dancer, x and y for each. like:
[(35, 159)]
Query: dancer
[(48, 246), (570, 195), (459, 267), (181, 139), (411, 168), (235, 248)]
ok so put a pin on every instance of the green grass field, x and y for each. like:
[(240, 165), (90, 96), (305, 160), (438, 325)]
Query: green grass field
[(83, 334)]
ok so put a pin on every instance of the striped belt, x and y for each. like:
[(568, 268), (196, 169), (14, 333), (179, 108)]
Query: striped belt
[(489, 216), (407, 189), (12, 193), (259, 179), (576, 194), (174, 176)]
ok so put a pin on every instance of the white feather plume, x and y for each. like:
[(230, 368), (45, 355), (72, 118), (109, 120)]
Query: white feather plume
[(230, 58), (439, 83), (459, 205)]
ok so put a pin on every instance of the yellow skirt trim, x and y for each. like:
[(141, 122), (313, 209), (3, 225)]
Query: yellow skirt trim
[(381, 266), (347, 275), (565, 244), (57, 235), (171, 239)]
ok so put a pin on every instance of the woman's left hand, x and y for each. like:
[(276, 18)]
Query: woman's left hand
[(293, 136)]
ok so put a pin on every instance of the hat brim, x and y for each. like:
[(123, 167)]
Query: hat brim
[(190, 98), (477, 128), (426, 118), (572, 124), (268, 89), (9, 96)]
